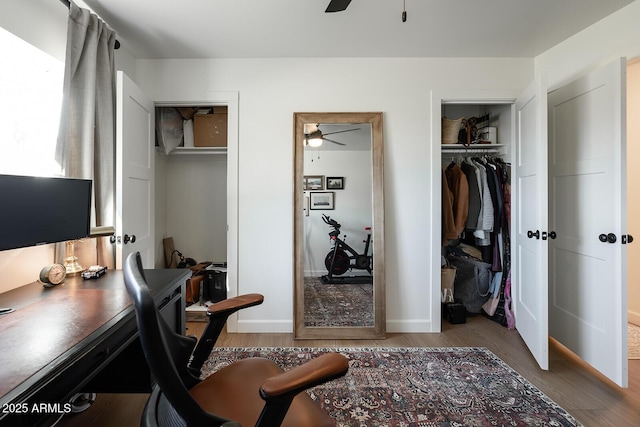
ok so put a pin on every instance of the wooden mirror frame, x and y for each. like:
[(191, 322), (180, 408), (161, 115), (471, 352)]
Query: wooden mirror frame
[(378, 330)]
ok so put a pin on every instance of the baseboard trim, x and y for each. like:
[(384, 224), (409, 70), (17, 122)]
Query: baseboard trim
[(265, 326), (286, 326), (410, 326)]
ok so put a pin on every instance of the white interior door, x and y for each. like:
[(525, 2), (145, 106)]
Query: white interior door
[(530, 252), (135, 141), (587, 281)]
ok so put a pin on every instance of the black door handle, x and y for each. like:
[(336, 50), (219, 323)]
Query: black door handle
[(531, 234), (608, 238)]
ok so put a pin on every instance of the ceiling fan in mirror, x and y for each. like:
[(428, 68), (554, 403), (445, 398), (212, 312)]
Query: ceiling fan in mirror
[(314, 137), (337, 5)]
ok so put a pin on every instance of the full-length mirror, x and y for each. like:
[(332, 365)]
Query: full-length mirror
[(339, 289)]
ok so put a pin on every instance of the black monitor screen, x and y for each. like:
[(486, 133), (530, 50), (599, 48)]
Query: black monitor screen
[(38, 210)]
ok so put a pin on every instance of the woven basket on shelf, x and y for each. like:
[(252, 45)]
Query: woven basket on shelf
[(450, 129)]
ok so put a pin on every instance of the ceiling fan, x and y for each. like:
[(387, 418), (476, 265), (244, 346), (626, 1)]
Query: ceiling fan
[(315, 137), (337, 5)]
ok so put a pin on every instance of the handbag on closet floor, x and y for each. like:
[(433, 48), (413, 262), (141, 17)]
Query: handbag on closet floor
[(472, 282), (447, 279)]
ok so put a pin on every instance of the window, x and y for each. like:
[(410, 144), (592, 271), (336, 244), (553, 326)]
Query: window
[(31, 98)]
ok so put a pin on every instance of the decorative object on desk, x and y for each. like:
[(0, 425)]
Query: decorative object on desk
[(71, 263), (94, 272), (71, 260), (432, 386), (52, 275), (335, 183)]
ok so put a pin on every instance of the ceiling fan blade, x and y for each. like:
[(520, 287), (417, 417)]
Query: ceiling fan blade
[(331, 140), (340, 131), (337, 5)]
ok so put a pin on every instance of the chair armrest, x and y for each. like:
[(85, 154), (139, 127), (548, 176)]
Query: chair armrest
[(231, 305), (317, 371)]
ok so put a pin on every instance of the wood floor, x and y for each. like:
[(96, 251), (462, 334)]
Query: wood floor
[(584, 393)]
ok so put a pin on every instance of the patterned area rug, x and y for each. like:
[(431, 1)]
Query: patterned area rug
[(342, 304), (634, 341), (418, 387)]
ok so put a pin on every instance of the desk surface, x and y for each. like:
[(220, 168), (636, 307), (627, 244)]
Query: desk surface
[(51, 329)]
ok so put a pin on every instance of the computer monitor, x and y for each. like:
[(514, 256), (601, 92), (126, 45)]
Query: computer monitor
[(38, 210)]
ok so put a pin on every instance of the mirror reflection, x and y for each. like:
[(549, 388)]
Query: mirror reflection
[(338, 255), (339, 238)]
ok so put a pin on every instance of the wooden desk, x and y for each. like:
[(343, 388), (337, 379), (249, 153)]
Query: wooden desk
[(80, 336)]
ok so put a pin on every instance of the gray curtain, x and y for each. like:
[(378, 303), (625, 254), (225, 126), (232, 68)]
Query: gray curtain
[(86, 138)]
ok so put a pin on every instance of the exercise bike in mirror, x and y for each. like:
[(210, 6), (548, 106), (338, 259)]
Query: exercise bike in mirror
[(339, 289)]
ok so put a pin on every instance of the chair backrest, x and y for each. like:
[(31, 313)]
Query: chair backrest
[(167, 353)]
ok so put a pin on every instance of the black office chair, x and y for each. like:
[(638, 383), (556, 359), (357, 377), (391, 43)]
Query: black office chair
[(218, 313), (253, 391)]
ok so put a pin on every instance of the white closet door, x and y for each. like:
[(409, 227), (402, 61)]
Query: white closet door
[(588, 290), (135, 141), (529, 273)]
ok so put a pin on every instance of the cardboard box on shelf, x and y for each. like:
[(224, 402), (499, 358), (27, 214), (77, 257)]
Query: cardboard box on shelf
[(210, 130)]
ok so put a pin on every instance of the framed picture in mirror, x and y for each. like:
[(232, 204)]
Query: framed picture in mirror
[(322, 200), (313, 182), (335, 183)]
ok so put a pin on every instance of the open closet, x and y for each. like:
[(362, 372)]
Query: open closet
[(475, 210), (197, 184), (192, 167), (568, 211)]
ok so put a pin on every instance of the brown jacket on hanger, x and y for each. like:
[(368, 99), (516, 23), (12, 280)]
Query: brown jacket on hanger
[(459, 188)]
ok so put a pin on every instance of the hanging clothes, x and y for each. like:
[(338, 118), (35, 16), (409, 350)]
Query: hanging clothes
[(448, 222), (475, 201), (459, 187), (476, 211)]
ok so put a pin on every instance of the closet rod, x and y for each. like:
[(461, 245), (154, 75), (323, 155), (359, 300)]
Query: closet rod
[(471, 150), (68, 4)]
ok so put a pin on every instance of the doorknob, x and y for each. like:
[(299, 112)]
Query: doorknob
[(128, 238), (531, 234), (608, 238), (552, 235), (626, 238)]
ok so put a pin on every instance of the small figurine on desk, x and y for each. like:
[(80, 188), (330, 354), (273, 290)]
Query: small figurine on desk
[(94, 271)]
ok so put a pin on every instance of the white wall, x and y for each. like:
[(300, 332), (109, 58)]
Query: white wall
[(615, 36), (196, 205), (270, 91)]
